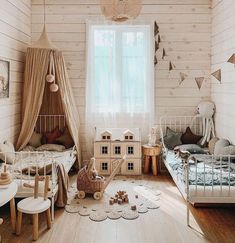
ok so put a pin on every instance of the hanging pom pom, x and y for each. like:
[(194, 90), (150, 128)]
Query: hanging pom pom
[(54, 87), (50, 78)]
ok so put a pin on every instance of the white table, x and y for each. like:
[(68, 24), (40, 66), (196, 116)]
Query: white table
[(7, 195)]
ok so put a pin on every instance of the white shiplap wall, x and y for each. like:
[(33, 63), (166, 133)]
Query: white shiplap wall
[(185, 27), (15, 35), (223, 46)]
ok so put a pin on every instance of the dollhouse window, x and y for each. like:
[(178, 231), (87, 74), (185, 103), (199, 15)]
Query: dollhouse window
[(117, 150), (130, 150), (126, 137), (104, 137), (130, 166), (104, 166), (131, 137), (104, 149)]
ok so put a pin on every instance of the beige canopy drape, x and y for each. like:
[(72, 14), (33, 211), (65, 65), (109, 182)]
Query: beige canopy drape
[(37, 99)]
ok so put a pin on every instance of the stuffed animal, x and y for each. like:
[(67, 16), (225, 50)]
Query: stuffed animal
[(206, 110)]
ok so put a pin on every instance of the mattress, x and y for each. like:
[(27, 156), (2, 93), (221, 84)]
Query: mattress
[(24, 160), (206, 180), (42, 159)]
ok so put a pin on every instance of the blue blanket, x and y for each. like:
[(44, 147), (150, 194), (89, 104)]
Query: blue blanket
[(206, 171)]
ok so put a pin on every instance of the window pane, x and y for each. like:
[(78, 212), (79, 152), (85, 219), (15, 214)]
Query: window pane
[(120, 69), (104, 43), (133, 71)]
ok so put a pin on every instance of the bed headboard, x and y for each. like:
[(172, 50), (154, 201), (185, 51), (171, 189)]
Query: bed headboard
[(180, 123), (46, 123)]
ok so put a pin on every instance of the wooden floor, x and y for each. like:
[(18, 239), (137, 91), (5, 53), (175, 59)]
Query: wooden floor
[(167, 224)]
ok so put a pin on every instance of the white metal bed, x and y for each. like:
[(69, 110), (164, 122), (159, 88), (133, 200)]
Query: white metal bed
[(199, 191), (28, 159)]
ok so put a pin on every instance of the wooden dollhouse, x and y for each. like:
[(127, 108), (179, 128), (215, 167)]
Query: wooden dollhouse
[(113, 144)]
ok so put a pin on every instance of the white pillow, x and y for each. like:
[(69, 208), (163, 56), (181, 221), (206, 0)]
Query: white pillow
[(229, 150), (219, 146), (51, 147), (7, 150)]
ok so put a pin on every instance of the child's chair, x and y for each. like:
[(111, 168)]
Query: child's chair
[(35, 205)]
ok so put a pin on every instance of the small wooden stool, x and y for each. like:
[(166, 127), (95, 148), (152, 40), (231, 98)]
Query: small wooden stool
[(154, 152), (34, 206)]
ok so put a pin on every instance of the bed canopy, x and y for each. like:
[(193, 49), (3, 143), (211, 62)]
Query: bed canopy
[(38, 98)]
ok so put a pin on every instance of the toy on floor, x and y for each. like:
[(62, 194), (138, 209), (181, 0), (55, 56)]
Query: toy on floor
[(88, 180), (120, 198)]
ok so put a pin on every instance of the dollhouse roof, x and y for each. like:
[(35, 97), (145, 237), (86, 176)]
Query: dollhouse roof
[(128, 132), (117, 133), (106, 132)]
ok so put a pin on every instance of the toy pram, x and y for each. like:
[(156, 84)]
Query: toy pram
[(85, 184)]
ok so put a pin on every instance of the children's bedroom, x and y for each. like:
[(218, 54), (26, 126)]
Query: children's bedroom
[(117, 121)]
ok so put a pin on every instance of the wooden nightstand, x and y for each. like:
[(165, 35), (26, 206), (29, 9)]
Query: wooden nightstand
[(154, 153)]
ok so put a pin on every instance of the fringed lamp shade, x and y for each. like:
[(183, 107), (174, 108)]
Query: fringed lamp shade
[(121, 10)]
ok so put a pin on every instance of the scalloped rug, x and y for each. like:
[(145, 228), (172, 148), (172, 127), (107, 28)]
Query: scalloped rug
[(142, 193)]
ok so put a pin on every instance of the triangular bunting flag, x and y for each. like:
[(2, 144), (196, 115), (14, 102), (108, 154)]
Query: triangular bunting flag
[(217, 75), (156, 28), (156, 46), (159, 39), (163, 53), (155, 60), (183, 76), (232, 59), (199, 82), (171, 66)]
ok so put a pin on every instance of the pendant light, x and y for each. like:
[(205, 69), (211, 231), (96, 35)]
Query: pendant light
[(121, 10)]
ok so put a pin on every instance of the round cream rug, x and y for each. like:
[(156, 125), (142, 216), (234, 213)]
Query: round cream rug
[(142, 195)]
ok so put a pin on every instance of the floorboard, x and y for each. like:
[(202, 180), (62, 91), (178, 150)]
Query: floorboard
[(167, 224)]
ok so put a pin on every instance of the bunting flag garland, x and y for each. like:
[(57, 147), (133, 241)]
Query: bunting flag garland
[(183, 76), (159, 39), (156, 46), (171, 66), (232, 59), (156, 28), (163, 53), (155, 60), (199, 82), (217, 75)]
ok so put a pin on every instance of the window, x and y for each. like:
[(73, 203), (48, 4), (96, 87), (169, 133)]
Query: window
[(104, 166), (104, 149), (104, 137), (108, 137), (117, 150), (129, 137), (119, 68), (130, 150), (130, 166)]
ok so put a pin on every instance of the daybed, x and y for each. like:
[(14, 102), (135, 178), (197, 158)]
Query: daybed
[(30, 161), (205, 178)]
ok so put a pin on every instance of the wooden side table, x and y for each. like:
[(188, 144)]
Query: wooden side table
[(6, 195), (154, 153)]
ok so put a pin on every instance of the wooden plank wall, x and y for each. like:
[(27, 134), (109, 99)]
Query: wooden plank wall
[(185, 27), (15, 35), (223, 46)]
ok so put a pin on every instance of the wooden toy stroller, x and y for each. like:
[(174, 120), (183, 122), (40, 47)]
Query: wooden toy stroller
[(85, 184)]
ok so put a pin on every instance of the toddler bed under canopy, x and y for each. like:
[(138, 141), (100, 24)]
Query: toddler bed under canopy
[(42, 99), (48, 105)]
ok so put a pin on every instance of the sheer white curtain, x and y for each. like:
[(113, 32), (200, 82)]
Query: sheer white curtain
[(120, 78)]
